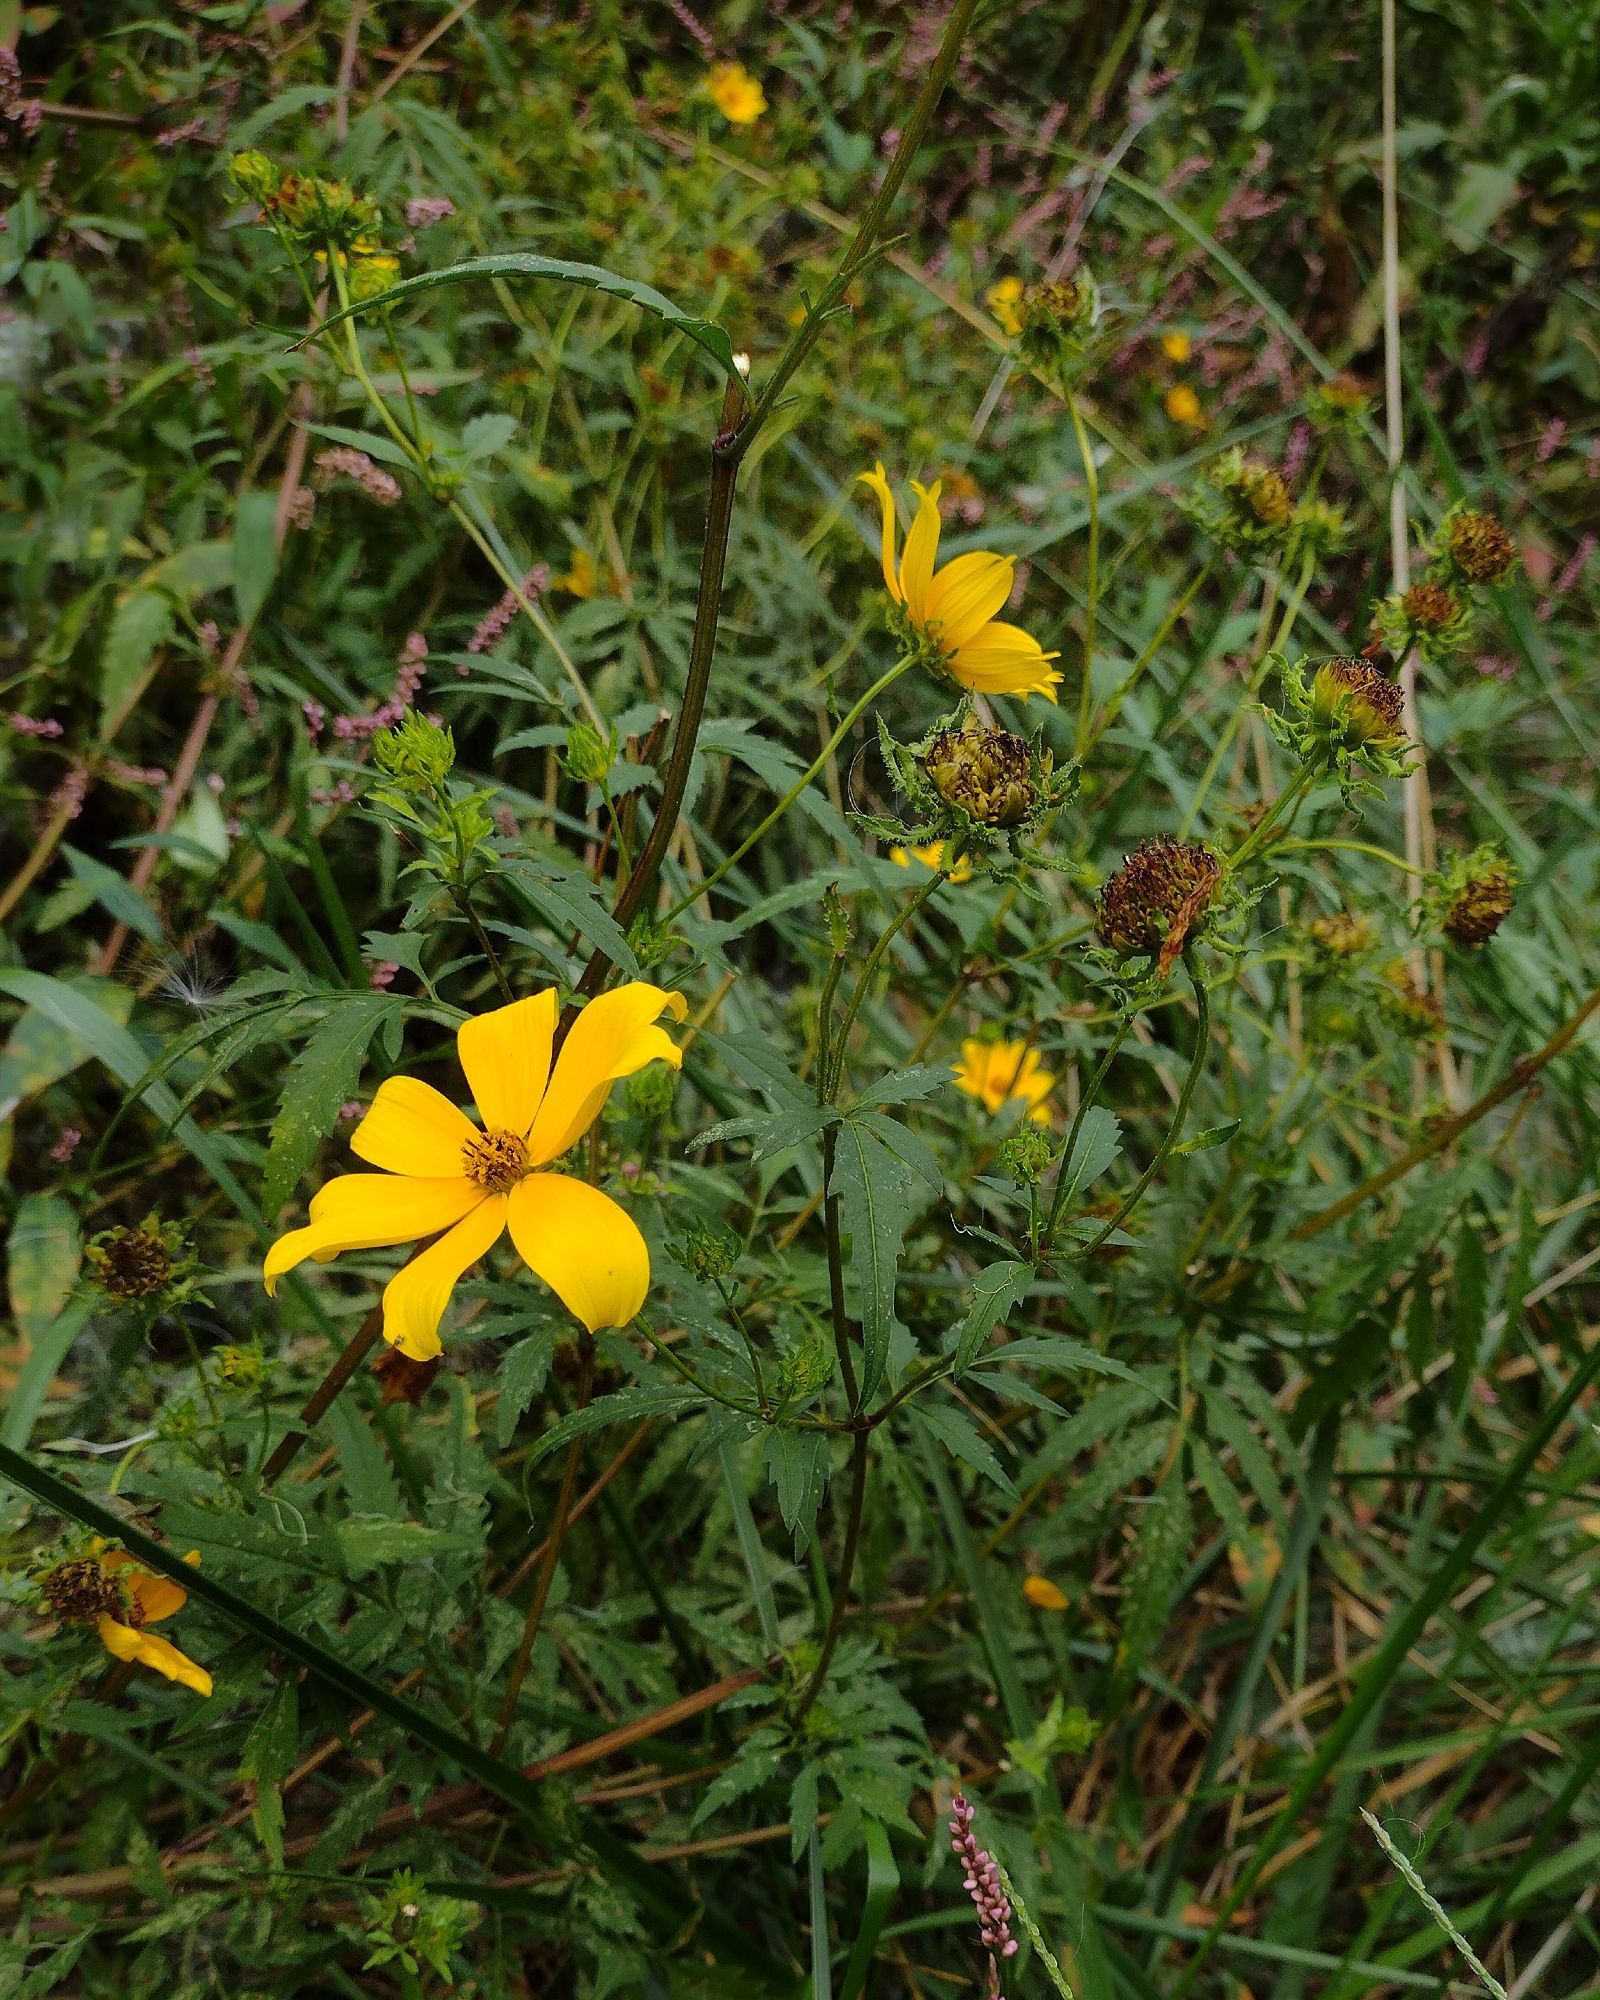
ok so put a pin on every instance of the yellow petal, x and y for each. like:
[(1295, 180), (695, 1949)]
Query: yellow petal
[(967, 593), (880, 485), (506, 1056), (412, 1129), (126, 1642), (586, 1249), (1004, 659), (415, 1297), (922, 549), (613, 1036), (154, 1597), (369, 1212)]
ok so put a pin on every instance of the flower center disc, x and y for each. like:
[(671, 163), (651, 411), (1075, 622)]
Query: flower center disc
[(495, 1160)]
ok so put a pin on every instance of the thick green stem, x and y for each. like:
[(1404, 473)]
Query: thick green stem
[(1202, 1042), (859, 1452)]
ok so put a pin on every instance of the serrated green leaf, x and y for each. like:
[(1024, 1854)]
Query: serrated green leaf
[(1166, 1528), (996, 1291), (141, 622), (959, 1436), (322, 1077), (873, 1190), (645, 1399), (799, 1465), (520, 1377)]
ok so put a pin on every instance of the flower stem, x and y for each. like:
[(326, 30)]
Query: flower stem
[(859, 1451), (552, 1555), (1091, 1093), (1281, 809), (1091, 482), (1108, 714), (355, 1351), (908, 910), (1202, 1042)]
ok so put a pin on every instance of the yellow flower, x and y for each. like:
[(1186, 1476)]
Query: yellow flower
[(930, 857), (1175, 346), (1045, 1595), (110, 1590), (998, 1072), (581, 578), (954, 611), (1003, 298), (443, 1173), (1183, 406), (736, 93)]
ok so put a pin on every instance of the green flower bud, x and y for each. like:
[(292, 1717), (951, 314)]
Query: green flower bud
[(1025, 1155), (254, 175), (708, 1253), (417, 756), (649, 1092), (588, 755), (806, 1368)]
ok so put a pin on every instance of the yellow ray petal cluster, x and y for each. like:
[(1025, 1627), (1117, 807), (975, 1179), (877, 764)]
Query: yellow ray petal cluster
[(736, 93), (445, 1177), (997, 1072), (151, 1599), (931, 856), (954, 610)]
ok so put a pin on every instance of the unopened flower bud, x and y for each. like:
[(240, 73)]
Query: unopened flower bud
[(254, 175), (588, 755), (649, 1092), (708, 1253), (987, 773), (417, 756), (1025, 1155), (806, 1368)]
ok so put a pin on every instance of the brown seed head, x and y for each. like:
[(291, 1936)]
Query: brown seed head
[(131, 1263), (1480, 906), (495, 1160), (1430, 607), (1480, 548), (80, 1592), (988, 773), (1153, 903)]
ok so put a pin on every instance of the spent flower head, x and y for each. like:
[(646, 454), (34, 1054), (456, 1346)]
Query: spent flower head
[(1474, 547), (1056, 320), (1345, 718), (145, 1268), (1432, 618), (1472, 897), (1158, 903)]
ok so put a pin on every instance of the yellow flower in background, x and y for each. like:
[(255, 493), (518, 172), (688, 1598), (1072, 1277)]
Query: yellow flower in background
[(997, 1072), (1044, 1595), (736, 93), (930, 857), (1004, 298), (443, 1173), (953, 611), (1175, 346), (1183, 406), (112, 1591), (581, 577)]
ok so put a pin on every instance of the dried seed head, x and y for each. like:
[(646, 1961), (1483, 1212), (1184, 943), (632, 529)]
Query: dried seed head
[(988, 773), (1355, 704), (1412, 1006), (1430, 607), (495, 1160), (82, 1591), (1480, 905), (1479, 547), (131, 1263), (1156, 900)]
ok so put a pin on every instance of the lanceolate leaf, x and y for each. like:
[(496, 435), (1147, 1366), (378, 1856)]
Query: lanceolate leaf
[(323, 1077), (874, 1190), (706, 334), (995, 1290)]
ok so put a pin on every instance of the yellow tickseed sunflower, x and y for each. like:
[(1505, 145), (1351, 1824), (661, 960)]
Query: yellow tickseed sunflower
[(110, 1590), (1045, 1595), (1004, 300), (1175, 346), (581, 577), (997, 1072), (930, 857), (736, 93), (1183, 406), (443, 1173), (953, 612)]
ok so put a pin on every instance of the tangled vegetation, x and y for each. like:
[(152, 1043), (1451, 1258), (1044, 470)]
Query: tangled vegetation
[(794, 996)]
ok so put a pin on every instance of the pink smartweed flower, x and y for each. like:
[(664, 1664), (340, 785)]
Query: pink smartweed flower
[(981, 1881)]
